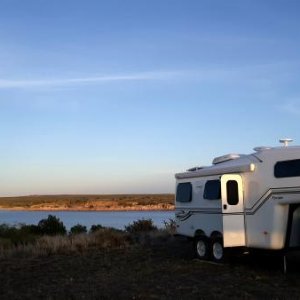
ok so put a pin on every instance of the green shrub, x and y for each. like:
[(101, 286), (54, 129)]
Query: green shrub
[(18, 235), (52, 226), (4, 229), (94, 228), (8, 233), (141, 226), (77, 229), (30, 229)]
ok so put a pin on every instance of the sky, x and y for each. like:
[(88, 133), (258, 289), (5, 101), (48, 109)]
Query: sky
[(114, 96)]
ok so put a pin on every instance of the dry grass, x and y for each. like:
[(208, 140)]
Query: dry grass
[(105, 238)]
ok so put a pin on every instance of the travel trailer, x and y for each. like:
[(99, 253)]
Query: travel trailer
[(246, 201)]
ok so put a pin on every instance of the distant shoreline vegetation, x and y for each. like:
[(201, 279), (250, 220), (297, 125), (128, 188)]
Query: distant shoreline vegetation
[(89, 202)]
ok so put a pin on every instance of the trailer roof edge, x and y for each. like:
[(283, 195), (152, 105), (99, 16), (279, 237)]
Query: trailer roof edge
[(217, 171)]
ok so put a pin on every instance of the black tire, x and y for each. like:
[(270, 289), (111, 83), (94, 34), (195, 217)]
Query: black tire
[(201, 247), (218, 253)]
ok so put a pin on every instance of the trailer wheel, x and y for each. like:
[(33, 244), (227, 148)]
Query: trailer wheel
[(217, 249), (201, 246)]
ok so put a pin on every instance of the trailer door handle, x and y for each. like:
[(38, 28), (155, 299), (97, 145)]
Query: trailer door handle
[(224, 206)]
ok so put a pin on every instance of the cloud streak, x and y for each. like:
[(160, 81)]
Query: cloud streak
[(261, 75), (23, 84)]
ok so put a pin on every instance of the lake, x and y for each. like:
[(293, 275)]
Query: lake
[(116, 219)]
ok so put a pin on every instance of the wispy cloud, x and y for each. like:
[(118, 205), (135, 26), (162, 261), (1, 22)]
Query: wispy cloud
[(261, 75), (35, 83)]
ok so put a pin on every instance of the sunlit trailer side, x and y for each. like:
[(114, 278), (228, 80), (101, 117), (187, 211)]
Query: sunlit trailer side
[(245, 201)]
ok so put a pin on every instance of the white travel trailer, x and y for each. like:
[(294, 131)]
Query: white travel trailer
[(248, 201)]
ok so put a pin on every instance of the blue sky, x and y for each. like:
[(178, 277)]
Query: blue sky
[(116, 96)]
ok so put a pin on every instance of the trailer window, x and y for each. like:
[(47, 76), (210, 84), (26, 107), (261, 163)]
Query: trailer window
[(288, 168), (232, 192), (212, 190), (184, 192)]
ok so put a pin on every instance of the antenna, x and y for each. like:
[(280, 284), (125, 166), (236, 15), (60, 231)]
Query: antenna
[(285, 142)]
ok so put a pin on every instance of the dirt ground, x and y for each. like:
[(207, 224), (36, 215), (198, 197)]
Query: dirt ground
[(155, 270)]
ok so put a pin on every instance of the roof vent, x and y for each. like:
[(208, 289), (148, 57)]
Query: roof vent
[(226, 157), (262, 148), (195, 169), (285, 142)]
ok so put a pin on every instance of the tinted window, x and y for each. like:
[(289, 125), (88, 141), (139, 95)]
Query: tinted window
[(288, 168), (232, 192), (212, 190), (184, 192)]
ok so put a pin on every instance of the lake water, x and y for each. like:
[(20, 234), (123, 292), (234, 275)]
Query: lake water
[(116, 219)]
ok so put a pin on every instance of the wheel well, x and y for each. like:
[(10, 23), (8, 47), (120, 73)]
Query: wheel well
[(216, 234), (199, 232)]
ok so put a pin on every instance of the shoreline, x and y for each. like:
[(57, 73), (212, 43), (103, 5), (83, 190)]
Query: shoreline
[(125, 209), (143, 202)]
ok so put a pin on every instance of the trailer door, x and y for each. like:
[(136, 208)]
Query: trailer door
[(233, 210)]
